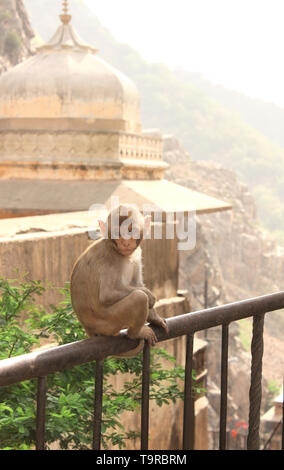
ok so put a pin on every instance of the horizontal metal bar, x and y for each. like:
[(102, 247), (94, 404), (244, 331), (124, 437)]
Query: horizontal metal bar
[(224, 314), (42, 363)]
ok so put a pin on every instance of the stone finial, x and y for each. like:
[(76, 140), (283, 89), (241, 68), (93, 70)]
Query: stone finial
[(65, 17)]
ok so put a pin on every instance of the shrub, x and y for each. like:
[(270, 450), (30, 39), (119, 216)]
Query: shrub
[(12, 45), (69, 406)]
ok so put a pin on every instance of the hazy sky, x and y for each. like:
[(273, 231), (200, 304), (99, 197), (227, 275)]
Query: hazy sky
[(237, 43)]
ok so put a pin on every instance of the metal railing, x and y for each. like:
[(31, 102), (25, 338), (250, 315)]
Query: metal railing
[(42, 363)]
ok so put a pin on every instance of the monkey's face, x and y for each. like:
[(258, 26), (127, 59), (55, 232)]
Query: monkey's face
[(126, 230), (126, 246)]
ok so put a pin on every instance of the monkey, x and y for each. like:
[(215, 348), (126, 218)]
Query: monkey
[(107, 289)]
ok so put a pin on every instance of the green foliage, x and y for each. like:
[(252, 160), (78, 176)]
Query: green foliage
[(5, 16), (270, 207), (273, 389), (69, 408), (245, 326), (16, 297), (12, 45), (279, 235)]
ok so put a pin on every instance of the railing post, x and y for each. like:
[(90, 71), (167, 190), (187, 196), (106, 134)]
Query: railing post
[(255, 392), (188, 413), (40, 413), (98, 405), (145, 397), (282, 440), (224, 387)]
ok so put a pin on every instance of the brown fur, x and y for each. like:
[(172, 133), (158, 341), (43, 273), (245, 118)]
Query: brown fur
[(108, 293)]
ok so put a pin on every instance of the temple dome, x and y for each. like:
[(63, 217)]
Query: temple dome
[(66, 114), (67, 79)]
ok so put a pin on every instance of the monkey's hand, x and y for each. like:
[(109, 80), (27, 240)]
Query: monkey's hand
[(148, 334), (154, 318)]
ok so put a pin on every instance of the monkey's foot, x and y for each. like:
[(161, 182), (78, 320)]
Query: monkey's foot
[(148, 334), (161, 322)]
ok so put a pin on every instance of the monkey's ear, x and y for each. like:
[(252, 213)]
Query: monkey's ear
[(103, 228)]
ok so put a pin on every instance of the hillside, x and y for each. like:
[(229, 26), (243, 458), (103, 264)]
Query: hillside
[(208, 127), (15, 34), (241, 262), (267, 118)]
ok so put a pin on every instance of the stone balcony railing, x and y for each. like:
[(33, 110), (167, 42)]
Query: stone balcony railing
[(72, 154)]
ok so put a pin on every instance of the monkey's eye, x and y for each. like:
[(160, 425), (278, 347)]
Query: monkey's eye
[(115, 233), (125, 232), (136, 233)]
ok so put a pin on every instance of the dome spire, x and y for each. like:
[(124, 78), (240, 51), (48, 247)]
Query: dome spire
[(66, 37), (65, 17)]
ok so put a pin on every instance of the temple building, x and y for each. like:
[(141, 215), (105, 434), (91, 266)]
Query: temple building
[(71, 136)]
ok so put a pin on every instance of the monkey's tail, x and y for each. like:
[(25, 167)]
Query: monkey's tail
[(133, 352)]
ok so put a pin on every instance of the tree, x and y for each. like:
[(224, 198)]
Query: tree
[(12, 46)]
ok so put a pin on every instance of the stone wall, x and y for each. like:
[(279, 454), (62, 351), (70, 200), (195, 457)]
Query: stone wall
[(48, 253)]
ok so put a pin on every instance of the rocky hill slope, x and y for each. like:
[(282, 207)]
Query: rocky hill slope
[(240, 261), (249, 261), (15, 33)]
